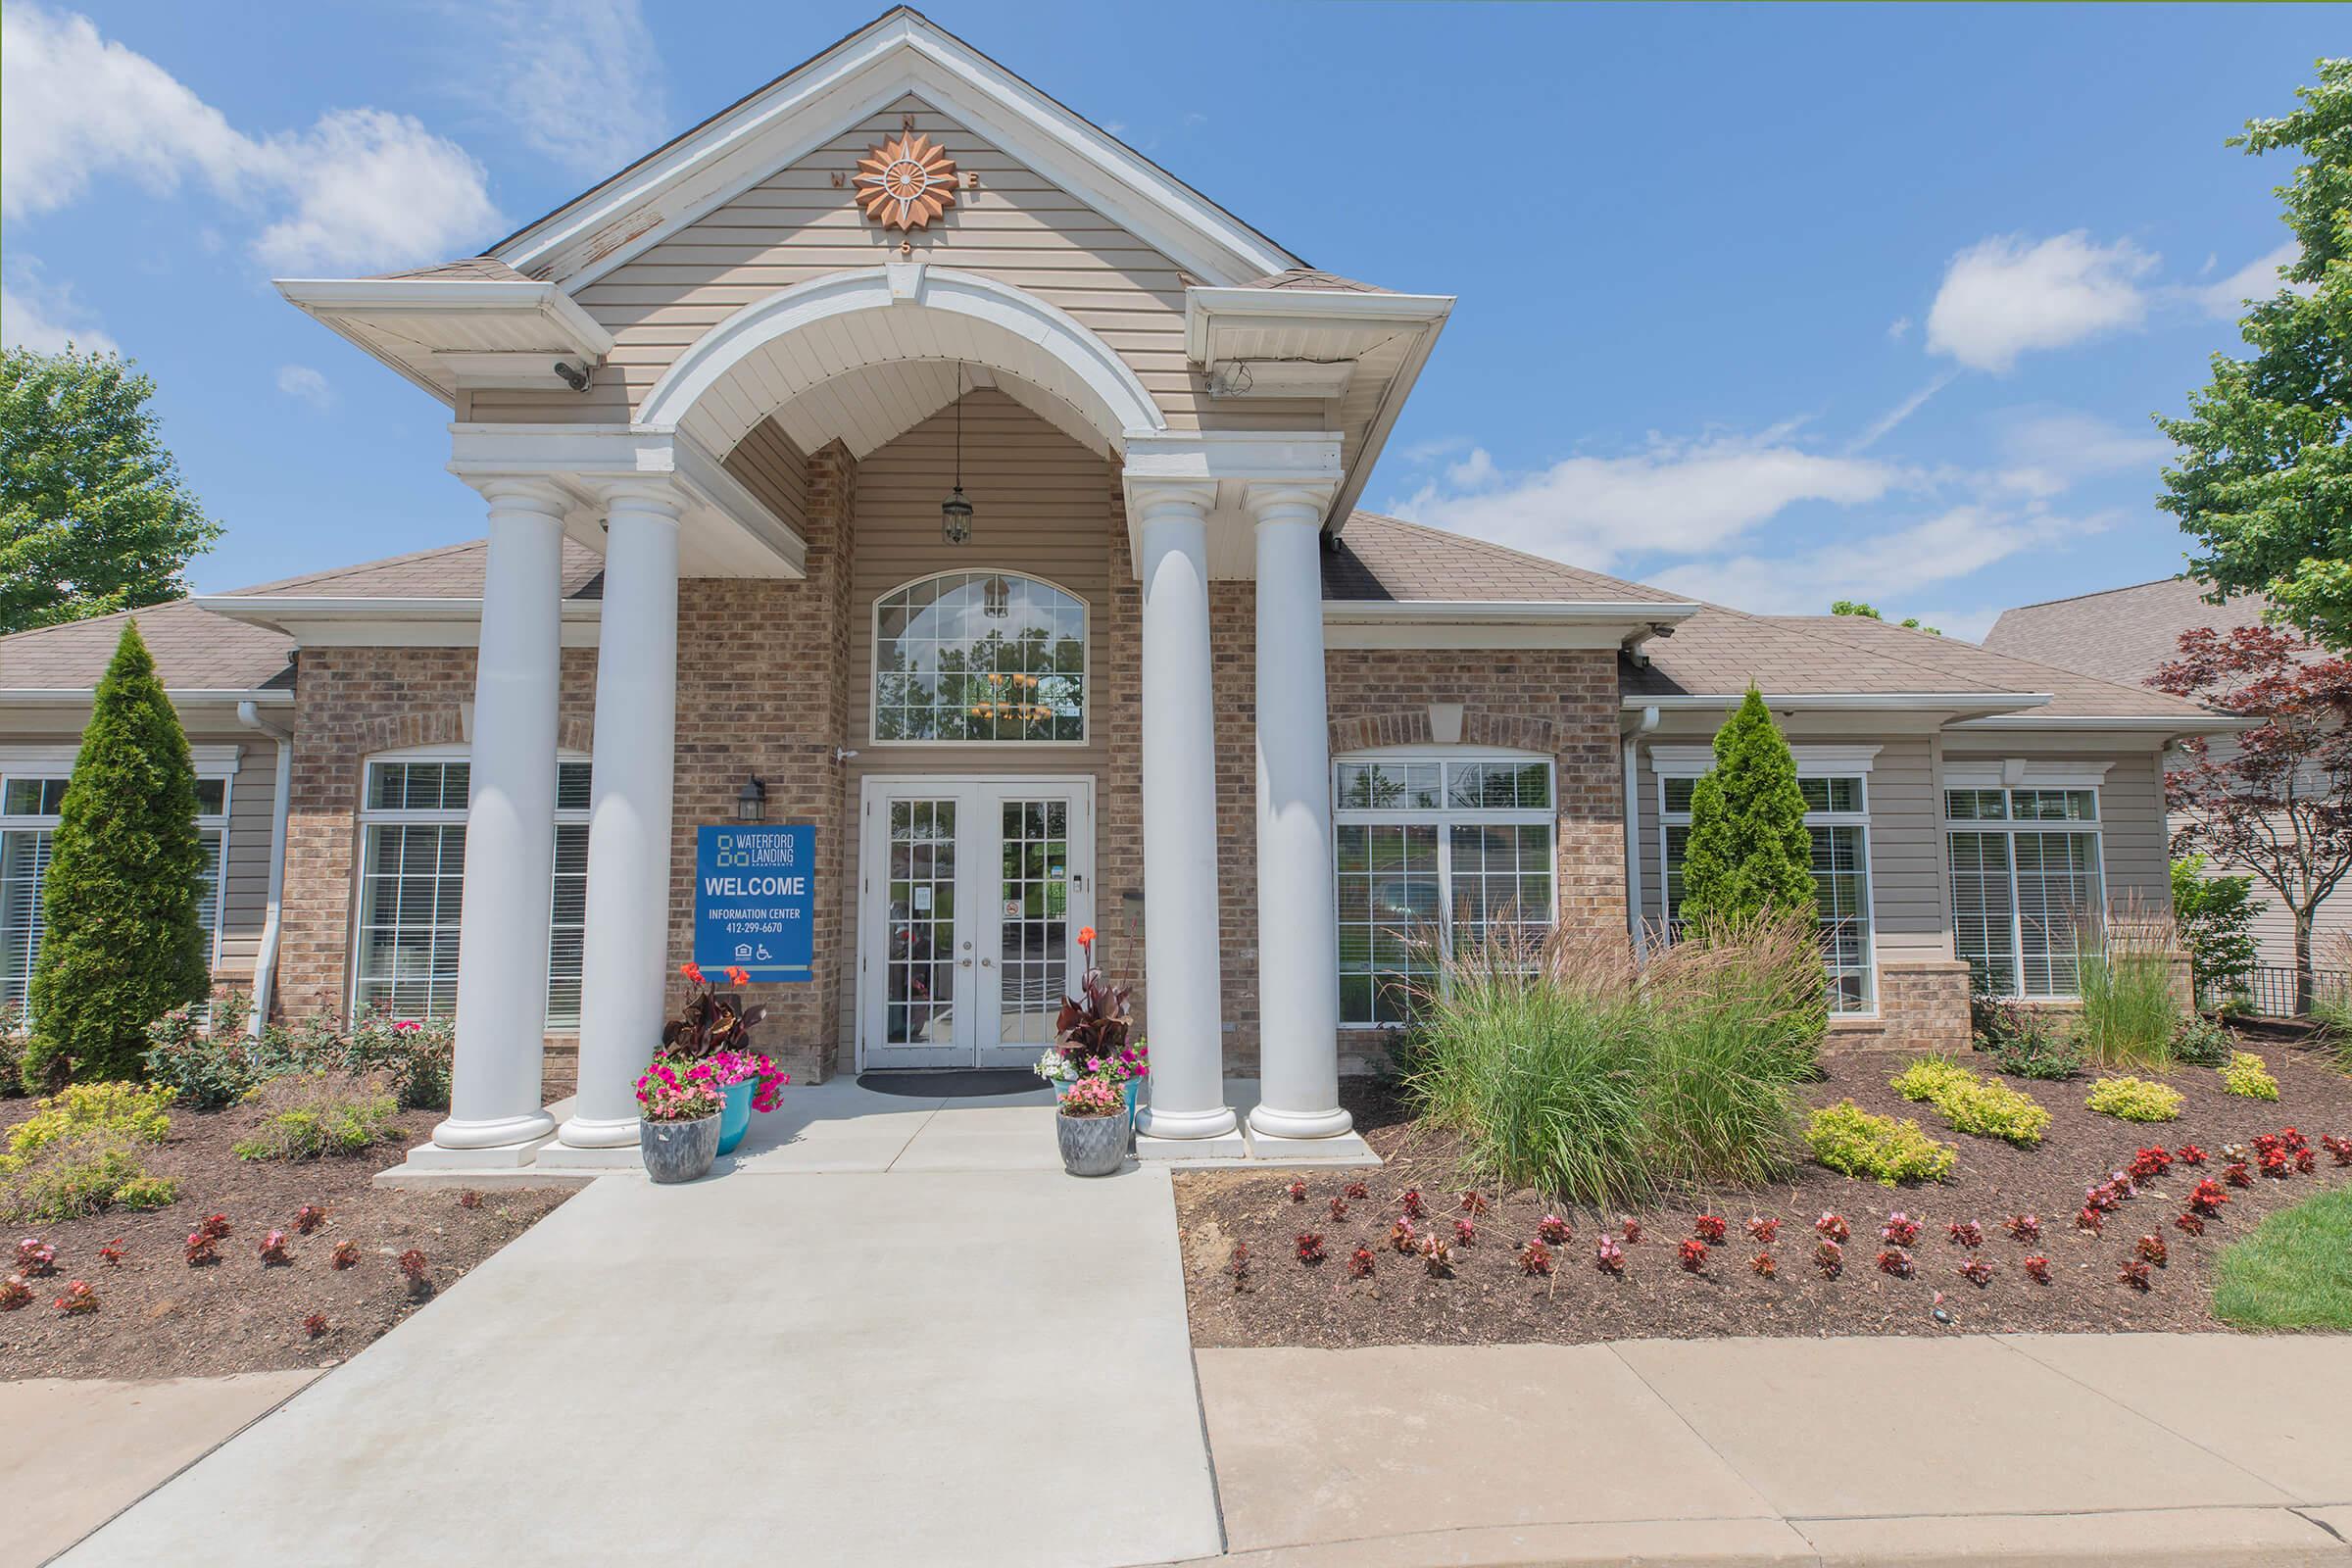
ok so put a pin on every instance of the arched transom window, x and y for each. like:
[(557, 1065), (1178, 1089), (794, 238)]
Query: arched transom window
[(980, 655)]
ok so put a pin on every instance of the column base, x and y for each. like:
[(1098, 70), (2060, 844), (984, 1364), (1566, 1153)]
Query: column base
[(1216, 1122), (1229, 1148), (497, 1133), (1267, 1122), (589, 1131)]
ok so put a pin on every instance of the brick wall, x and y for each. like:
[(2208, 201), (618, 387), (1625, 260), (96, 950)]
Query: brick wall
[(1923, 1006), (350, 704)]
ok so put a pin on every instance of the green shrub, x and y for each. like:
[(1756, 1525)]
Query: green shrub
[(215, 1067), (1846, 1138), (308, 1116), (87, 1170), (2024, 1042), (2129, 1011), (2216, 915), (2135, 1099), (1978, 1107), (1749, 851), (122, 942), (136, 1111), (1568, 1071), (415, 1054), (2202, 1043), (2246, 1075)]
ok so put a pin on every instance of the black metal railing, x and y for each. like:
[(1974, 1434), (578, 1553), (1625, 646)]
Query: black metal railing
[(2269, 991)]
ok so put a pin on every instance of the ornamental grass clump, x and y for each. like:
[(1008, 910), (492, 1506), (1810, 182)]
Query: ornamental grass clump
[(2135, 1099), (2123, 973), (1981, 1107), (315, 1114), (2247, 1076), (1890, 1152), (1570, 1070)]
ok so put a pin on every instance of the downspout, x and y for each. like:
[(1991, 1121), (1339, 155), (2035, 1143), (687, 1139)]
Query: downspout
[(1635, 925), (265, 961)]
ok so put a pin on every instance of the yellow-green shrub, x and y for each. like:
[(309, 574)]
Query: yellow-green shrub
[(2135, 1099), (1846, 1138), (1984, 1107), (2246, 1075), (82, 1172), (134, 1110)]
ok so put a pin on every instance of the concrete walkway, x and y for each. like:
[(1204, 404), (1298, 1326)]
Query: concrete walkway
[(2150, 1448), (79, 1450), (892, 1336)]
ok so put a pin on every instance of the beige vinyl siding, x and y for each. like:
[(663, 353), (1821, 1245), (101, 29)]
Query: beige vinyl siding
[(245, 873), (775, 471), (1042, 507), (1014, 227)]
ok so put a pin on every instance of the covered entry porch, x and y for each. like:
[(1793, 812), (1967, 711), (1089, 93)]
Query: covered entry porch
[(683, 519)]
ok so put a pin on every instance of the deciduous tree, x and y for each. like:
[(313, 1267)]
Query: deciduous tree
[(2274, 801), (94, 517)]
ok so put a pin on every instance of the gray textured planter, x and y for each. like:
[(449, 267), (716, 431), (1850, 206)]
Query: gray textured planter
[(678, 1150), (1092, 1145)]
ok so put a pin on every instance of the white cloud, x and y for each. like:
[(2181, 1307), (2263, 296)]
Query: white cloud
[(2258, 279), (36, 316), (361, 188), (1678, 497), (303, 383), (1885, 571), (2007, 295), (578, 82), (1474, 473), (1900, 411), (1898, 328), (2044, 450)]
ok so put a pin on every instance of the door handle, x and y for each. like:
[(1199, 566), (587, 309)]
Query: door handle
[(963, 964), (988, 963)]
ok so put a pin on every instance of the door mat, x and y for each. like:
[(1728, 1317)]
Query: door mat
[(958, 1083)]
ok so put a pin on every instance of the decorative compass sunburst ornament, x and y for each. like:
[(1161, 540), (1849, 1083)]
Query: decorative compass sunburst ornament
[(905, 182)]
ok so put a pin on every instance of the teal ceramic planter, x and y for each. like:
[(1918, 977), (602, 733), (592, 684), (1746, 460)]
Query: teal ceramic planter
[(735, 1113)]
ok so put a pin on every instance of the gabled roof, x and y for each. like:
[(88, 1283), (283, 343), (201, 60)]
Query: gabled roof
[(1381, 557), (902, 51), (2120, 634), (1310, 278), (446, 571), (193, 649), (1719, 650)]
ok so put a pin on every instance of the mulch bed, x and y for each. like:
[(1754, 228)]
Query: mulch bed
[(1489, 1300), (158, 1317)]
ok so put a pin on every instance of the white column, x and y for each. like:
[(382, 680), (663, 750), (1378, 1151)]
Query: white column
[(1298, 920), (1180, 820), (510, 827), (627, 937)]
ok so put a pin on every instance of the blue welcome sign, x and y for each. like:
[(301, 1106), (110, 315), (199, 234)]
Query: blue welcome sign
[(754, 900)]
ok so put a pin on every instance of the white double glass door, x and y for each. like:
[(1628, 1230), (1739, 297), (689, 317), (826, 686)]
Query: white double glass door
[(971, 893)]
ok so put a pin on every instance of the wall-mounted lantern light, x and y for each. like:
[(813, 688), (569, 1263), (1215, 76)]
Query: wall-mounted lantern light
[(751, 801)]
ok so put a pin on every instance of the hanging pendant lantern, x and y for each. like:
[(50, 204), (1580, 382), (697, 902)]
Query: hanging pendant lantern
[(955, 513)]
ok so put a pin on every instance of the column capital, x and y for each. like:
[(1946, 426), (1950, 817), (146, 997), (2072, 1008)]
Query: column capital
[(1145, 497), (1288, 499), (658, 494), (521, 492)]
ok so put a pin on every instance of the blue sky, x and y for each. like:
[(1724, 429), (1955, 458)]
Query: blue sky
[(1769, 305)]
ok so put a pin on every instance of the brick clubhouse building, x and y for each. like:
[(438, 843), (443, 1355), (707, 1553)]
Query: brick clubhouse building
[(899, 458)]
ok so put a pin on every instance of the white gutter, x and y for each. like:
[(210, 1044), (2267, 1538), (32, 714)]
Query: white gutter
[(1387, 612), (265, 960), (180, 696), (2170, 724), (1862, 702), (1635, 925)]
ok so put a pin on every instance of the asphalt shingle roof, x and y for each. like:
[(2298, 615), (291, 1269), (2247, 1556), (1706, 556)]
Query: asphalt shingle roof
[(1377, 557), (2123, 634)]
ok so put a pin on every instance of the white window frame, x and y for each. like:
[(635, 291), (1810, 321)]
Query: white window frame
[(2007, 780), (1086, 674), (57, 763), (372, 817), (1824, 762), (1443, 819)]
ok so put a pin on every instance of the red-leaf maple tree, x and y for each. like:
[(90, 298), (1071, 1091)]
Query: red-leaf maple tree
[(2274, 801)]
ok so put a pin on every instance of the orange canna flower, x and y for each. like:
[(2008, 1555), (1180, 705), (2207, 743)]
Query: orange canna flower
[(737, 977), (692, 971), (1086, 935)]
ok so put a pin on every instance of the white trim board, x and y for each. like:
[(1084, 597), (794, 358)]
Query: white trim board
[(1817, 761)]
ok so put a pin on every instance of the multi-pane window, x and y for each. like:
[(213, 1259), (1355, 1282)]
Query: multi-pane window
[(29, 810), (1434, 852), (1837, 817), (412, 883), (980, 655), (2027, 885)]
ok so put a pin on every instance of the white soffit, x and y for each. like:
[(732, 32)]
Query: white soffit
[(321, 621), (900, 53), (868, 408), (1452, 623), (444, 334)]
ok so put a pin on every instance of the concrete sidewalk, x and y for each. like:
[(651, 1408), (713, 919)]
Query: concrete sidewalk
[(866, 1367), (2077, 1449)]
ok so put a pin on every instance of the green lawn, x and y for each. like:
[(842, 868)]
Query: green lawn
[(2295, 1271)]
